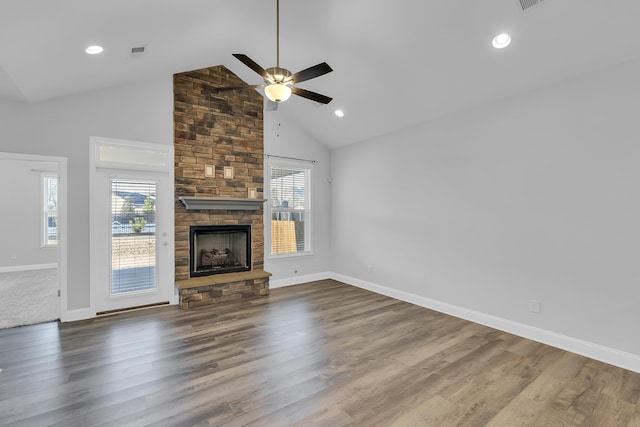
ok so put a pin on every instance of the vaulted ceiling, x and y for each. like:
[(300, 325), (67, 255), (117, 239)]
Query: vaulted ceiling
[(396, 63)]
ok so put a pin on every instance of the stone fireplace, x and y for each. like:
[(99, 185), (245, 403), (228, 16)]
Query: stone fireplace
[(219, 156)]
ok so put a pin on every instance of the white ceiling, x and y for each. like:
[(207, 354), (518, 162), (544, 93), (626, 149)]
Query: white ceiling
[(396, 63)]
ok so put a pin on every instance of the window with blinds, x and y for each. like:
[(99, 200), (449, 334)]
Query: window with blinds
[(289, 200), (133, 238), (49, 210)]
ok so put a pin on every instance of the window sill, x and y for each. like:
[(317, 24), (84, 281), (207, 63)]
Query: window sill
[(289, 256)]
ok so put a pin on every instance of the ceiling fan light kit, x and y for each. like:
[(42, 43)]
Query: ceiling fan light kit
[(279, 83), (277, 92)]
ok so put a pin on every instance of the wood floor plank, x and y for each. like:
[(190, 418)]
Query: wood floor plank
[(318, 354)]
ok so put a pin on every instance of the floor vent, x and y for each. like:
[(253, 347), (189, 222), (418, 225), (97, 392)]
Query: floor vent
[(526, 4)]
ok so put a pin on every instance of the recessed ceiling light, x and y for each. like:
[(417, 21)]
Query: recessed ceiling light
[(339, 113), (94, 50), (501, 41)]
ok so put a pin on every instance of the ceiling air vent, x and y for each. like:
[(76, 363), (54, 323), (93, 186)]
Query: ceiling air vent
[(137, 50), (526, 4)]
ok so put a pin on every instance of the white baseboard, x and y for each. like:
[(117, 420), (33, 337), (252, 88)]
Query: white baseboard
[(585, 348), (273, 284), (77, 314), (16, 268)]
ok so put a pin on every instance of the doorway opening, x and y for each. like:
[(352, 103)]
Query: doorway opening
[(33, 248)]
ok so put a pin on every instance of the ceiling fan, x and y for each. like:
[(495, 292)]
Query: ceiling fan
[(279, 83)]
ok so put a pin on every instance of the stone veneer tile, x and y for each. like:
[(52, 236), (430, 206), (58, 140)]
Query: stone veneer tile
[(220, 129)]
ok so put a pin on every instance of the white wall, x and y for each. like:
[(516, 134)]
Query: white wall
[(12, 123), (62, 127), (284, 138), (535, 197), (20, 224)]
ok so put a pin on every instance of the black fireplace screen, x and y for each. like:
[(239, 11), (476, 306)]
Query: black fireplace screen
[(216, 249)]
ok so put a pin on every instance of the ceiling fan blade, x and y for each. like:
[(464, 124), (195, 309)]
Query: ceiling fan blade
[(251, 64), (311, 73), (228, 88), (311, 95)]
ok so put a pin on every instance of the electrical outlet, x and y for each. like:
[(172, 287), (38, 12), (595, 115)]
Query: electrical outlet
[(14, 256), (369, 268), (535, 306)]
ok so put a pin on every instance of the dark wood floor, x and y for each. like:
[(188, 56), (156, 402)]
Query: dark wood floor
[(321, 354)]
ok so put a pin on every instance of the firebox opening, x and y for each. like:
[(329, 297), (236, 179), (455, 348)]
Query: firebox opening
[(216, 249)]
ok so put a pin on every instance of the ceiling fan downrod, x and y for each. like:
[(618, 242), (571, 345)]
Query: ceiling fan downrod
[(277, 33)]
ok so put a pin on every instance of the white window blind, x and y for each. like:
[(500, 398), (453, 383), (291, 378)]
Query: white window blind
[(290, 209), (133, 238), (49, 210)]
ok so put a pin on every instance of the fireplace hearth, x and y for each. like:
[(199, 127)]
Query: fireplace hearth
[(219, 249)]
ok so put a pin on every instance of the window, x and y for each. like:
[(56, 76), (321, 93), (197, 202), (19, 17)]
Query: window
[(290, 203), (133, 235), (49, 210)]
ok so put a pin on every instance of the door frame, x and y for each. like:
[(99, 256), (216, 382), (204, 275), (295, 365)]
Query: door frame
[(131, 157), (61, 225)]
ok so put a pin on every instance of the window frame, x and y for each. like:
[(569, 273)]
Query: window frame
[(276, 162), (45, 177)]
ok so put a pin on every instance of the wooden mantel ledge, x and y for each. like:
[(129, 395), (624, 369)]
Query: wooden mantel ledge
[(215, 203), (217, 279)]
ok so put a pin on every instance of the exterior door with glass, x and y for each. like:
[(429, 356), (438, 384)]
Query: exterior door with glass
[(132, 239)]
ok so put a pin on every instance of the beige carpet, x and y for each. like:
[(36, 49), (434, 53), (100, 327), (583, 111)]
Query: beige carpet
[(28, 297)]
